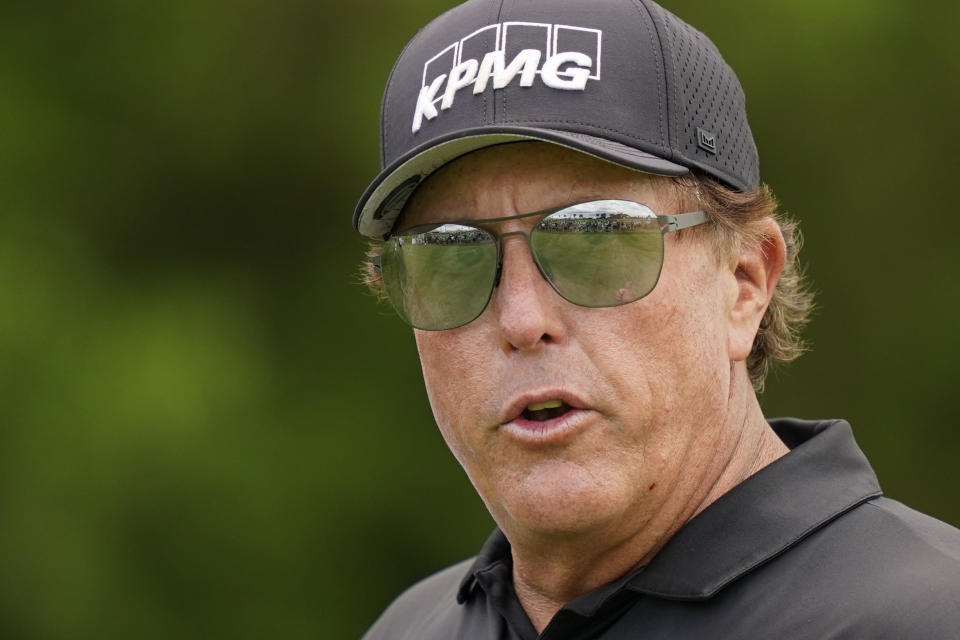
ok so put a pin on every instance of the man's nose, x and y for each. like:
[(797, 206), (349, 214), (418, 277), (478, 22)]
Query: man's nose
[(527, 309)]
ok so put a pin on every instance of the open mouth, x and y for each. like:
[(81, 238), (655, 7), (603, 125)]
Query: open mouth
[(543, 411)]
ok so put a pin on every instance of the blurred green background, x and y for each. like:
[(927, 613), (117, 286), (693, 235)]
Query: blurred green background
[(209, 430)]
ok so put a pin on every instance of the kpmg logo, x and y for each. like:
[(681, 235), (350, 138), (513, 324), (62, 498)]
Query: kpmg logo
[(562, 56)]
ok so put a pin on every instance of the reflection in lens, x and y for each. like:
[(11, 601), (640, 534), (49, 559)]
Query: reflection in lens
[(440, 277), (600, 254)]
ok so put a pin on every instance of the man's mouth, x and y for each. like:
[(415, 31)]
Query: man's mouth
[(550, 417), (543, 411)]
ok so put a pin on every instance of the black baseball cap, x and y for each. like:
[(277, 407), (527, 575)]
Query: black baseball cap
[(625, 81)]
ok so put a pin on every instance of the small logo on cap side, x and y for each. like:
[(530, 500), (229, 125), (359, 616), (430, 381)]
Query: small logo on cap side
[(706, 141), (563, 56)]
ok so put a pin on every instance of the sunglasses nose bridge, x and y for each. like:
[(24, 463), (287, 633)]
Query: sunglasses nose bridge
[(501, 243)]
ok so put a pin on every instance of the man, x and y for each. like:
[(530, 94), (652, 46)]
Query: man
[(572, 220)]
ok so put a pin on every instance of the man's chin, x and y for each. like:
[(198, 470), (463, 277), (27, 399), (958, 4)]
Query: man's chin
[(560, 503)]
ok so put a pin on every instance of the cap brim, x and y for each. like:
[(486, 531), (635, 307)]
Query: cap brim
[(384, 199)]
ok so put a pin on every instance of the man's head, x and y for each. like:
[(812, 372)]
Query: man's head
[(622, 80), (569, 418), (647, 387)]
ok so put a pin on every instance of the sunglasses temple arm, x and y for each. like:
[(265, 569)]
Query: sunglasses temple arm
[(682, 220)]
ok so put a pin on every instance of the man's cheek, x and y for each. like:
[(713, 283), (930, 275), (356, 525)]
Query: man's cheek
[(458, 372), (456, 379)]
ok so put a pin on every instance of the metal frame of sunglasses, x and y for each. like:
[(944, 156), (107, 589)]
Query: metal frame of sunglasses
[(597, 216)]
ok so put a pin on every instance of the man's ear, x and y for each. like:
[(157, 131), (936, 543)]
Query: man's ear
[(757, 271)]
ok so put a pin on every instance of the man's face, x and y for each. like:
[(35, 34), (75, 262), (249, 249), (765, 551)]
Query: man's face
[(648, 382)]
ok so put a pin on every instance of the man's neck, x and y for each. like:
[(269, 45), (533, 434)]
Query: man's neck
[(550, 573)]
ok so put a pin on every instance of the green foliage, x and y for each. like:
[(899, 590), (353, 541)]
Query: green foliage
[(209, 430)]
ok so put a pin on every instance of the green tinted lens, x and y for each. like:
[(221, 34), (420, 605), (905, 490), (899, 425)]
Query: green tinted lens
[(440, 277), (600, 254)]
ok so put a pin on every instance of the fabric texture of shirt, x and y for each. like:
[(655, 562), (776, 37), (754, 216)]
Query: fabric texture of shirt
[(805, 548)]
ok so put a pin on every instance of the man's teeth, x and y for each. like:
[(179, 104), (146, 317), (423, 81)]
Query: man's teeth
[(549, 404)]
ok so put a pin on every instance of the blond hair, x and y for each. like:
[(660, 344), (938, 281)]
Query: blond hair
[(736, 217)]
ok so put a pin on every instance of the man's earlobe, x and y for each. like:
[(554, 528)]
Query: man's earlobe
[(757, 271)]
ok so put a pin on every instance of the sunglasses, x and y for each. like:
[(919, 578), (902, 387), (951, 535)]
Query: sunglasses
[(603, 253)]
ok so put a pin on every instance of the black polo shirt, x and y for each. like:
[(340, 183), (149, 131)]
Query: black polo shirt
[(805, 548)]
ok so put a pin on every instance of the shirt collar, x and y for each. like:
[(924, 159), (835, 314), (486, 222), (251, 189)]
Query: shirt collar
[(495, 550), (824, 475)]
